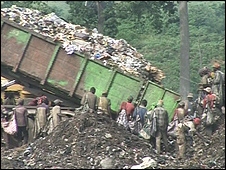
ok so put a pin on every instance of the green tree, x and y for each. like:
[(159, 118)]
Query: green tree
[(94, 14), (42, 6), (143, 14)]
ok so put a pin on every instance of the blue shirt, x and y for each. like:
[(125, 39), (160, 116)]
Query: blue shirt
[(141, 110)]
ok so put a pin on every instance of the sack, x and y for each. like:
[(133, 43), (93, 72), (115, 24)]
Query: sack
[(145, 132), (209, 115), (210, 118), (10, 127), (135, 126), (171, 129), (86, 107), (122, 118), (153, 128)]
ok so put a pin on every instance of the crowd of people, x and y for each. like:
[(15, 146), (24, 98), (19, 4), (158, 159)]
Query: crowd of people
[(153, 124), (15, 128)]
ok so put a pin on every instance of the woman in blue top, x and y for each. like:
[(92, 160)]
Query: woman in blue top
[(141, 111)]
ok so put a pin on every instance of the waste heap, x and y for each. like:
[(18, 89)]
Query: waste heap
[(209, 155), (87, 141), (90, 141), (76, 38)]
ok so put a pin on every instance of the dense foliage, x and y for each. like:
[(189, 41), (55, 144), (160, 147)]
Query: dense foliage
[(153, 28)]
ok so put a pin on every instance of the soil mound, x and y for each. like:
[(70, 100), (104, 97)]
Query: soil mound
[(95, 141)]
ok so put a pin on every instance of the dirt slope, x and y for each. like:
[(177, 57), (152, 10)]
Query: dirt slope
[(86, 140)]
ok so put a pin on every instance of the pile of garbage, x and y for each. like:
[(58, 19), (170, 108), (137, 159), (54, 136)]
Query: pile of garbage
[(86, 141), (76, 38), (90, 141)]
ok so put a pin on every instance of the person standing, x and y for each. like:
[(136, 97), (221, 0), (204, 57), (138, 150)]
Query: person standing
[(218, 84), (44, 103), (179, 113), (162, 123), (181, 142), (128, 106), (4, 118), (22, 122), (10, 100), (56, 112), (209, 106), (141, 111), (104, 104), (190, 106), (138, 118), (89, 101), (41, 117), (126, 110), (206, 80)]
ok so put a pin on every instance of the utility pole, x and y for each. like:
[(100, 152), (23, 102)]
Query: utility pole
[(184, 50), (100, 26)]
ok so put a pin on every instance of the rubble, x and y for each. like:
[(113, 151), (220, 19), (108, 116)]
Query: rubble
[(76, 38), (90, 141)]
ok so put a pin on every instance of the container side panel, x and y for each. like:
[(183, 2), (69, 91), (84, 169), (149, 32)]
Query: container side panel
[(65, 70), (37, 58), (170, 102), (95, 75), (153, 94), (13, 43), (121, 87)]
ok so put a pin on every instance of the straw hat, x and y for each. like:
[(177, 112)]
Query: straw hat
[(208, 89), (216, 65), (190, 95)]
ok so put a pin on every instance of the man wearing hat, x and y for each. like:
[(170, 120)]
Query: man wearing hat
[(190, 106), (104, 104), (218, 84)]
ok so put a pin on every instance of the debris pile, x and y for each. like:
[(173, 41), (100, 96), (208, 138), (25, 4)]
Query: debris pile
[(76, 38), (86, 141), (90, 141)]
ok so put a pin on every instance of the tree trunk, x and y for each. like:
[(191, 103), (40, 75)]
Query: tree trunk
[(184, 51), (100, 26)]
